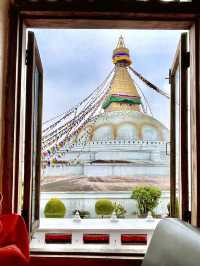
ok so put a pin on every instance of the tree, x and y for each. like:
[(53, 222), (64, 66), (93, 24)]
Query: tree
[(55, 208), (119, 210), (147, 198), (104, 207)]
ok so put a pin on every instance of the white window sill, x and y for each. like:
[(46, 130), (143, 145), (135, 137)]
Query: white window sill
[(93, 226)]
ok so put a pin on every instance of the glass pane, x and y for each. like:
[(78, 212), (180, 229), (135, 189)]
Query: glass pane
[(189, 142), (106, 146), (35, 129), (177, 129)]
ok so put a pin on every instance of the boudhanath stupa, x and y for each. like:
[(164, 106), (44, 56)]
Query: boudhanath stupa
[(108, 139)]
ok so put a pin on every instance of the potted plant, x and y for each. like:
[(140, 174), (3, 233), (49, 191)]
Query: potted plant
[(147, 198), (54, 208), (104, 207), (119, 210)]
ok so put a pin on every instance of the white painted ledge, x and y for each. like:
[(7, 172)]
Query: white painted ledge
[(101, 226), (97, 225)]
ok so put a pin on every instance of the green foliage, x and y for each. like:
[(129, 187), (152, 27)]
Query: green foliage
[(147, 198), (55, 208), (104, 207), (176, 211), (83, 214), (119, 210)]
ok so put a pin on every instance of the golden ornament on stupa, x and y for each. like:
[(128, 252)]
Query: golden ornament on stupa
[(121, 53), (123, 94)]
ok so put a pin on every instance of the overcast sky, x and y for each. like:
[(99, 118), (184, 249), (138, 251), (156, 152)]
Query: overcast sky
[(75, 62)]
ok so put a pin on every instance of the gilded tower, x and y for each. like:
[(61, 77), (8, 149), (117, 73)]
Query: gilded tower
[(123, 94)]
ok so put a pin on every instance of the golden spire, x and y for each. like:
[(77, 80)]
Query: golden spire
[(121, 53), (120, 43), (123, 94)]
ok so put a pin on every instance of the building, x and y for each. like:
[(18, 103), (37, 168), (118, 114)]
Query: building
[(120, 141)]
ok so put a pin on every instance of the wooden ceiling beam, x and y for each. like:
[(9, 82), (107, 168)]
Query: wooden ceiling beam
[(125, 7)]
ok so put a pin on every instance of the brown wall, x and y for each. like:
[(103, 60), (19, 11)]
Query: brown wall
[(78, 261), (3, 48)]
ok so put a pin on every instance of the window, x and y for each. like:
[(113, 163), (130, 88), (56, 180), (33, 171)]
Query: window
[(77, 158), (34, 94)]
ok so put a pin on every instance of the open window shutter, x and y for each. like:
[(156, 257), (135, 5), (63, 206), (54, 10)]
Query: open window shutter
[(33, 127), (179, 130)]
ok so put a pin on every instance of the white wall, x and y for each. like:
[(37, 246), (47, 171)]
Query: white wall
[(86, 201), (126, 170)]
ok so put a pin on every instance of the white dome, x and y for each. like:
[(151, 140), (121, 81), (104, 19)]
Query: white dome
[(125, 125), (126, 131), (149, 133), (103, 133)]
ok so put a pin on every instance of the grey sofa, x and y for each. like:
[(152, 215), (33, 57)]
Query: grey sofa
[(173, 243)]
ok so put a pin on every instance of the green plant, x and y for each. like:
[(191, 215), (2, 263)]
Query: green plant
[(119, 210), (54, 208), (147, 198), (176, 210), (83, 214), (104, 207)]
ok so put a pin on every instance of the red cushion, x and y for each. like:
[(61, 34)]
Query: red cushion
[(14, 240), (12, 256), (1, 230)]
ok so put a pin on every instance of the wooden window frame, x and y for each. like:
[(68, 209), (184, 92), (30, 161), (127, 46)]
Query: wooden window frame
[(34, 97), (181, 62), (87, 14)]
